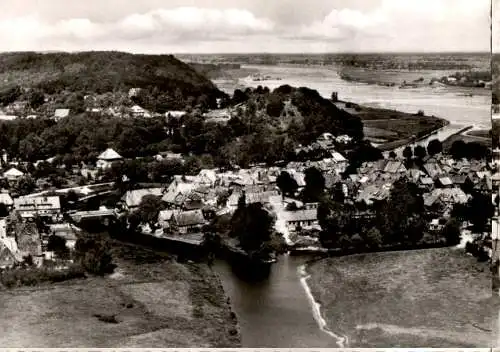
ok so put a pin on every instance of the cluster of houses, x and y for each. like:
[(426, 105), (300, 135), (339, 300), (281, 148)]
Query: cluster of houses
[(21, 235), (22, 109), (191, 202)]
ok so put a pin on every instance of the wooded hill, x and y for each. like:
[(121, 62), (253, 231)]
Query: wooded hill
[(165, 80)]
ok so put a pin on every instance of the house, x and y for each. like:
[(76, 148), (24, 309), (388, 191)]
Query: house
[(166, 218), (175, 114), (61, 113), (7, 258), (188, 221), (133, 92), (425, 183), (6, 199), (176, 188), (432, 169), (107, 158), (133, 198), (44, 206), (436, 225), (296, 220), (445, 182), (344, 139), (137, 111), (394, 167), (13, 174), (207, 177)]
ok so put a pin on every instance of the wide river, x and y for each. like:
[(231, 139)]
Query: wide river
[(279, 312), (450, 104)]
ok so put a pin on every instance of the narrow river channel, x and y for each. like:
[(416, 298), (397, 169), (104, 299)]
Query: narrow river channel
[(276, 312)]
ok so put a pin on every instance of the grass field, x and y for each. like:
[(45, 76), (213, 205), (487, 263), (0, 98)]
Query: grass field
[(433, 297), (156, 302)]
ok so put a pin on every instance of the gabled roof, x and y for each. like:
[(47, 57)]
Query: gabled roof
[(7, 258), (445, 181), (109, 154), (13, 172), (393, 166), (165, 215), (302, 215), (426, 180), (189, 218), (337, 157), (134, 198), (432, 169)]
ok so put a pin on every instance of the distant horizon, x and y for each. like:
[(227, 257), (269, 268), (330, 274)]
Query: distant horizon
[(259, 53)]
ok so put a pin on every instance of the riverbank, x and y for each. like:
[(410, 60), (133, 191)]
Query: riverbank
[(432, 297), (389, 128), (151, 300)]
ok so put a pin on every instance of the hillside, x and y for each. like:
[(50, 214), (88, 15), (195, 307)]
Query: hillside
[(167, 83)]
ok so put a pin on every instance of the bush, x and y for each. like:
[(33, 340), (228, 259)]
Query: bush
[(17, 277), (94, 255)]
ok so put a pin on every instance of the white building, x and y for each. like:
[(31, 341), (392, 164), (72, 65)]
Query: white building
[(13, 174), (29, 207), (61, 113), (107, 158)]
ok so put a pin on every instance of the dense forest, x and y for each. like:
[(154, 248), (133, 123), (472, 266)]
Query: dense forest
[(167, 83)]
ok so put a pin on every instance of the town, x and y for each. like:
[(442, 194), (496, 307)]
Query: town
[(316, 200)]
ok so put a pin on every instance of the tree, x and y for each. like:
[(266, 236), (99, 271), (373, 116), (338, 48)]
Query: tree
[(434, 147), (451, 232), (373, 238), (94, 255), (315, 185), (35, 99), (404, 210), (211, 245), (149, 208), (275, 105), (407, 152), (458, 149), (392, 154), (480, 211), (252, 225), (57, 245), (25, 185), (286, 184), (420, 152)]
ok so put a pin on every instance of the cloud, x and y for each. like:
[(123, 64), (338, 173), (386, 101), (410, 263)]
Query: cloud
[(385, 25), (428, 25)]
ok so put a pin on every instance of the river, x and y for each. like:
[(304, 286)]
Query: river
[(275, 312), (445, 102)]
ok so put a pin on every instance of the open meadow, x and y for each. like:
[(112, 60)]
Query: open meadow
[(432, 297), (149, 301)]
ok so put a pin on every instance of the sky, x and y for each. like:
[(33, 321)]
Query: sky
[(245, 26)]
